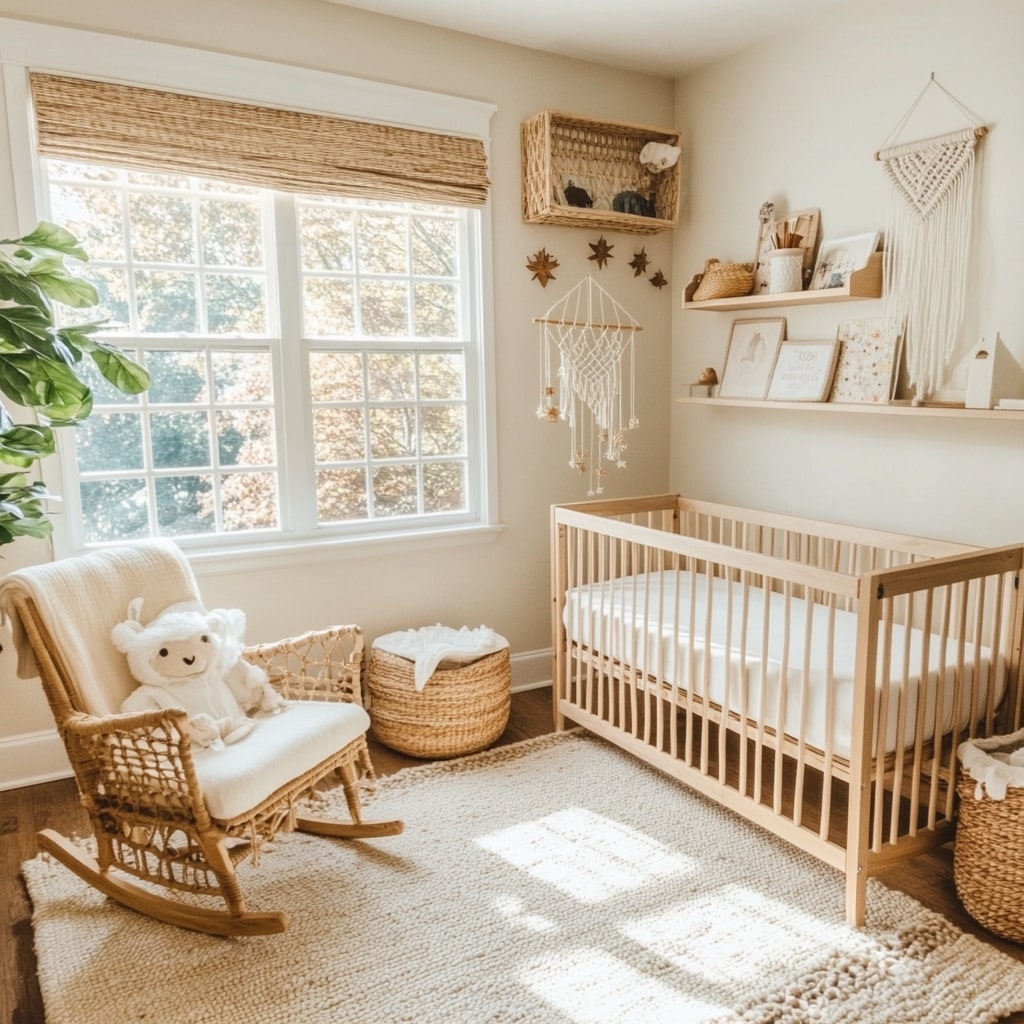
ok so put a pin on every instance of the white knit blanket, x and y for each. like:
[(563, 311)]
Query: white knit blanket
[(80, 599), (429, 646), (996, 764)]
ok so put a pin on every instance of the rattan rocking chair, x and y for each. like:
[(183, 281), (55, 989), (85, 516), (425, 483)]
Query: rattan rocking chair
[(163, 810)]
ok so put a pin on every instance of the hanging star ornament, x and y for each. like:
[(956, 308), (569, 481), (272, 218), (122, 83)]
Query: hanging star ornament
[(602, 251), (639, 262), (659, 280), (542, 263)]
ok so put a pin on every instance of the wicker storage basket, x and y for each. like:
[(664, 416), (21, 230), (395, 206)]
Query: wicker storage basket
[(724, 280), (988, 854), (603, 157), (462, 709)]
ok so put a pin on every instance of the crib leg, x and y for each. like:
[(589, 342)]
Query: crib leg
[(856, 895)]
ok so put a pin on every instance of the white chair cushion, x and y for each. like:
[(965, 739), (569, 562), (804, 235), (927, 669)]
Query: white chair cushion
[(279, 749)]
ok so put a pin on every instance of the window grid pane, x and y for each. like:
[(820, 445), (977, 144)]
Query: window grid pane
[(388, 421), (186, 276)]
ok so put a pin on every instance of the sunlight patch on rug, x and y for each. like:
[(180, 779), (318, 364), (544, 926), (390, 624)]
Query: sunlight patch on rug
[(557, 881), (585, 855), (590, 986), (720, 934)]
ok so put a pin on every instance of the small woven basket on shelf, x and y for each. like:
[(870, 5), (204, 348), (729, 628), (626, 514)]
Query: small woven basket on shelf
[(462, 709), (724, 280), (988, 853)]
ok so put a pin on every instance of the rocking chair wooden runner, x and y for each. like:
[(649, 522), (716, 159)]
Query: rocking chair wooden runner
[(174, 815)]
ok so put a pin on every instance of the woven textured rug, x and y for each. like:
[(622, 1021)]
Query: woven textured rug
[(556, 880)]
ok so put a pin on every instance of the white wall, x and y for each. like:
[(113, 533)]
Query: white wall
[(503, 583), (797, 121)]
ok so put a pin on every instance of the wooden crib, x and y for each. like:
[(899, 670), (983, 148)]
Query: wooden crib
[(815, 678)]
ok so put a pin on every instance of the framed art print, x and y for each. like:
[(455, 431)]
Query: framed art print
[(803, 371), (750, 357), (840, 258), (869, 357)]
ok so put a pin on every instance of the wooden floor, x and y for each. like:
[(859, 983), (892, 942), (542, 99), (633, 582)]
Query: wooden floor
[(23, 812)]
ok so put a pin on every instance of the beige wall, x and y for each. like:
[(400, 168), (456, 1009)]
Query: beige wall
[(503, 583), (797, 121)]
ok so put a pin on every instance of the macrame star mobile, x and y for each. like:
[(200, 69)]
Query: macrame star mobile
[(588, 363), (639, 262), (659, 280), (602, 251), (542, 264)]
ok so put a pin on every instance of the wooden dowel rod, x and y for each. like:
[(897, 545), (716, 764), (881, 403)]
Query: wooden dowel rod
[(577, 323), (979, 133)]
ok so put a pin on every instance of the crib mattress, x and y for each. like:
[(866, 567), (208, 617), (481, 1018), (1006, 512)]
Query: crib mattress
[(745, 648)]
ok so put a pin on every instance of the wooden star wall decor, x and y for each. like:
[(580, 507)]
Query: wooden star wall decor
[(542, 263), (639, 262), (602, 251), (659, 280)]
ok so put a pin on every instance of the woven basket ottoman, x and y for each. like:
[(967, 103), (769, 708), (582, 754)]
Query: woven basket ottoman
[(463, 708), (988, 851)]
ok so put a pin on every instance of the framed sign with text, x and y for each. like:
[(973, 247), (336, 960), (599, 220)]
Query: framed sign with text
[(803, 371)]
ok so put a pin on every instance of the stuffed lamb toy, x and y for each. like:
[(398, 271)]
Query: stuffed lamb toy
[(189, 658)]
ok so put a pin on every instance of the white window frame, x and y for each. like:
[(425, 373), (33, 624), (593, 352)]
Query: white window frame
[(26, 47)]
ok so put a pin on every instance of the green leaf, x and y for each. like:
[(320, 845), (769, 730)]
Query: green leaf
[(36, 526), (53, 278), (25, 443), (16, 286), (21, 508), (49, 238), (22, 324), (125, 374), (48, 386)]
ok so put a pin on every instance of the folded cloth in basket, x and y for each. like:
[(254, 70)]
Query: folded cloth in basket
[(995, 763), (431, 645)]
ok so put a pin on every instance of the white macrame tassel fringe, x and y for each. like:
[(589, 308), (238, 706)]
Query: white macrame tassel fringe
[(588, 364), (928, 236)]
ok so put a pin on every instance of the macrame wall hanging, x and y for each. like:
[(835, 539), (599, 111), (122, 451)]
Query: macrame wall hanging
[(587, 372), (927, 241)]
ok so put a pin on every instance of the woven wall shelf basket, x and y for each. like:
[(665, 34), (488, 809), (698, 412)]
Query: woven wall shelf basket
[(462, 709), (602, 158), (988, 854), (724, 280)]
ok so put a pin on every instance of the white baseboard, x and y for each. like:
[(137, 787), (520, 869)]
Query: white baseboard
[(530, 670), (31, 758)]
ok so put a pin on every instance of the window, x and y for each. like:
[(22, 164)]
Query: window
[(315, 360)]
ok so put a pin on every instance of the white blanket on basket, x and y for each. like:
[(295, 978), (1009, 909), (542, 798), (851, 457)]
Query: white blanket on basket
[(429, 646), (643, 621)]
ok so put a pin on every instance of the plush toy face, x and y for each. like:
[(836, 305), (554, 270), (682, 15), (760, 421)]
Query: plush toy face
[(177, 645), (181, 659)]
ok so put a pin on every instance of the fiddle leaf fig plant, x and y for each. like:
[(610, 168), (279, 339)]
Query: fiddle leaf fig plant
[(42, 367)]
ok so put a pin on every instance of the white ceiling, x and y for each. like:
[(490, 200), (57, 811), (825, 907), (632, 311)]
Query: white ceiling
[(661, 37)]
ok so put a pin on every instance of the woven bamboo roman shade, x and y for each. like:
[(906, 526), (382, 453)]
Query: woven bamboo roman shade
[(99, 122)]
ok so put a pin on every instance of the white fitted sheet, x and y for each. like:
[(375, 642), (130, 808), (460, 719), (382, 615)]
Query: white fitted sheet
[(610, 618)]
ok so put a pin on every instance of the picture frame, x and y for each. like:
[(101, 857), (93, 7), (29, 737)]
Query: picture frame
[(803, 371), (753, 344), (839, 258), (868, 364)]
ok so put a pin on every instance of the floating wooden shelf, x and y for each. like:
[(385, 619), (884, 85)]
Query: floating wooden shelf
[(892, 409), (602, 158), (863, 284)]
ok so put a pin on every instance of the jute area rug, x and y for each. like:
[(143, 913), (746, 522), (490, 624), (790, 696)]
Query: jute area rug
[(557, 880)]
